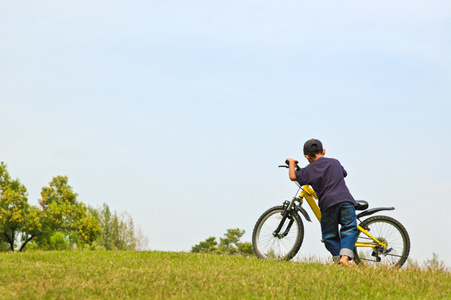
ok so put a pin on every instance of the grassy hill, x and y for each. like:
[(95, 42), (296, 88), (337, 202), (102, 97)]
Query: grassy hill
[(116, 274)]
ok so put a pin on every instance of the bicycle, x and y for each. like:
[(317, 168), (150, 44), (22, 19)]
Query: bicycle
[(381, 240)]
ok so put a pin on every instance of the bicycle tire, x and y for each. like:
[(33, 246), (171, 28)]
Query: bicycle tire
[(267, 246), (387, 230)]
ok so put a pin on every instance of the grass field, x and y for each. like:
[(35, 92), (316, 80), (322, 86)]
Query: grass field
[(116, 274)]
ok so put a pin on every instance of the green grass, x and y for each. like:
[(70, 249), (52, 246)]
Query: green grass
[(116, 274)]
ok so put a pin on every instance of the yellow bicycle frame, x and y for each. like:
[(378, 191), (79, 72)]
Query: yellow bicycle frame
[(309, 195)]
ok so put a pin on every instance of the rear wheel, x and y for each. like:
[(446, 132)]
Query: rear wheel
[(268, 246), (388, 231)]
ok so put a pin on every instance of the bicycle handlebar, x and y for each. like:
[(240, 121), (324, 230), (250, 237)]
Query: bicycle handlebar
[(297, 168), (286, 166)]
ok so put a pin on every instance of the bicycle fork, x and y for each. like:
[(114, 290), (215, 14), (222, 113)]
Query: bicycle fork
[(287, 207)]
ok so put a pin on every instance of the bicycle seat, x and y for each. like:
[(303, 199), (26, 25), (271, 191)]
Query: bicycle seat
[(361, 205)]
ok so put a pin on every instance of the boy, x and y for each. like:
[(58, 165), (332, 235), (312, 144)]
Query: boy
[(326, 176)]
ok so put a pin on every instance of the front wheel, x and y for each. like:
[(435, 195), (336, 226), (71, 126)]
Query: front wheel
[(388, 231), (283, 247)]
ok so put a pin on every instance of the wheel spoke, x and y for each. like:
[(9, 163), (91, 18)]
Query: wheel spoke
[(268, 246), (388, 231)]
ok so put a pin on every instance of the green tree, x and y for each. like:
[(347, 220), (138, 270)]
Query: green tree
[(435, 263), (19, 222), (207, 246), (118, 231), (245, 249), (64, 214), (230, 244), (61, 221), (58, 241)]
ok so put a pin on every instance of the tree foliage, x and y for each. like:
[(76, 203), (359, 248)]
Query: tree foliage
[(207, 246), (230, 244), (19, 222), (118, 232), (60, 222), (64, 216)]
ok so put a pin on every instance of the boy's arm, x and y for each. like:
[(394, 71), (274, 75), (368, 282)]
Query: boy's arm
[(291, 169)]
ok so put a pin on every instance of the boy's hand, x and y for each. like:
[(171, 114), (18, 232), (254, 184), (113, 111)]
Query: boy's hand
[(289, 161), (291, 168)]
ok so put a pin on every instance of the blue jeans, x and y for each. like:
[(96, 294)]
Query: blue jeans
[(339, 243)]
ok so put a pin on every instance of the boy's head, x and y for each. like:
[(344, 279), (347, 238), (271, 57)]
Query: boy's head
[(313, 149)]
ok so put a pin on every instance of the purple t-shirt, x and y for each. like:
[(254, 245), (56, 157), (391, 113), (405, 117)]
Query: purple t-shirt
[(327, 178)]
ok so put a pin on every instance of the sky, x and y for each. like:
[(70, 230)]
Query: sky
[(180, 112)]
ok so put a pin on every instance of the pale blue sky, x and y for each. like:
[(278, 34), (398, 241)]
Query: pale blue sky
[(179, 112)]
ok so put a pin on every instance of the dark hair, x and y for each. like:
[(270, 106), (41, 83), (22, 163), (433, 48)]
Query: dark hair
[(313, 147)]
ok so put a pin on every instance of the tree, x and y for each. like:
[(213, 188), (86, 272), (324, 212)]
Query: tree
[(230, 244), (61, 221), (118, 231), (19, 222), (245, 249), (207, 246), (64, 214), (141, 239)]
